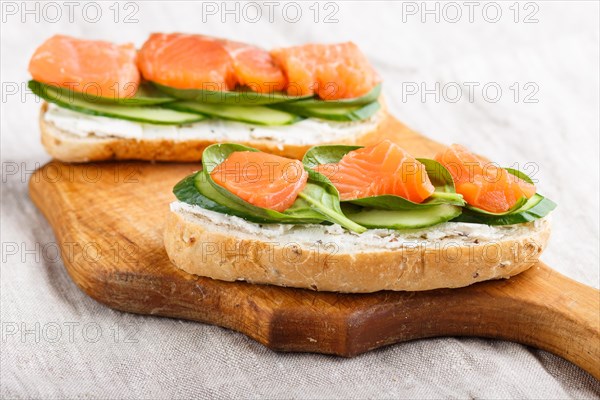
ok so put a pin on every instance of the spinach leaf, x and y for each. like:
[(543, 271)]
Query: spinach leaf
[(321, 196), (318, 202), (535, 208), (185, 191), (238, 206), (188, 192), (520, 203), (318, 155)]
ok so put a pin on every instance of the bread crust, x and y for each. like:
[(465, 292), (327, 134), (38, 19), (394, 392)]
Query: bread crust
[(202, 250), (67, 147)]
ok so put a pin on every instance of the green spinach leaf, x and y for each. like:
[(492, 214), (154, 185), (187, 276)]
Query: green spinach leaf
[(318, 202), (185, 191), (536, 207)]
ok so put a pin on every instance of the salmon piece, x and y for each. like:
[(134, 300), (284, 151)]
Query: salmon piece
[(255, 68), (384, 168), (332, 71), (262, 179), (94, 67), (203, 62), (186, 62), (483, 184)]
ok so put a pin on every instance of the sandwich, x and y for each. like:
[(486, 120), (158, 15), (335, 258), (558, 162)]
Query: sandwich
[(180, 93), (355, 219)]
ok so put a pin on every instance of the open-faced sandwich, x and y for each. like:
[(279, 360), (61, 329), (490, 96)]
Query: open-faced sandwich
[(180, 93), (355, 219)]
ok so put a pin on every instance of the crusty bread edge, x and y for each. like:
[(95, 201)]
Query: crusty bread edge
[(197, 249), (67, 147)]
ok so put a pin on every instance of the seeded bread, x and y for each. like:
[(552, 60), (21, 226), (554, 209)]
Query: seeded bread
[(329, 258), (69, 147)]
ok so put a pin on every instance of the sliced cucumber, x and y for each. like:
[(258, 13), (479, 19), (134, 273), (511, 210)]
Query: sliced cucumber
[(520, 203), (368, 98), (531, 202), (146, 95), (152, 115), (407, 219), (241, 97), (345, 113), (252, 114)]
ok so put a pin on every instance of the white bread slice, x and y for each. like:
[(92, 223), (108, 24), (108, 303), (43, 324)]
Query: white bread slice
[(329, 258), (70, 147)]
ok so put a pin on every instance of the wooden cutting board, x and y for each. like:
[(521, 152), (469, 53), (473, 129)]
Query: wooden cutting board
[(108, 219)]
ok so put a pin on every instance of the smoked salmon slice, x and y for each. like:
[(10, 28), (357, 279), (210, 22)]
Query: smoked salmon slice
[(332, 71), (384, 168), (483, 184), (255, 68), (262, 179), (93, 67), (187, 61)]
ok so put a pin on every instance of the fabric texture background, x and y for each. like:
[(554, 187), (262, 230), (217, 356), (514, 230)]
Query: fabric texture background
[(83, 349)]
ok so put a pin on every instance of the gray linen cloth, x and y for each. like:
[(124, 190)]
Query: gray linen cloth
[(58, 343)]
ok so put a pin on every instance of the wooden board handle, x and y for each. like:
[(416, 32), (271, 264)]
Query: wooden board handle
[(539, 307), (553, 313)]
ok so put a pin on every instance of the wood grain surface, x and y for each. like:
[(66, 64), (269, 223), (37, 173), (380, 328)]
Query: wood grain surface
[(108, 219)]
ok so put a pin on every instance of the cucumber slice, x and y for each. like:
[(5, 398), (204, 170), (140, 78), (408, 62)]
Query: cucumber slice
[(241, 97), (532, 202), (406, 219), (342, 114), (252, 114), (152, 115), (146, 95), (370, 97)]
